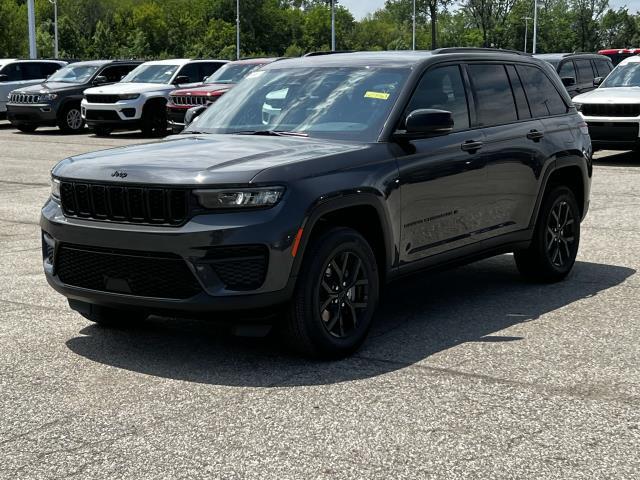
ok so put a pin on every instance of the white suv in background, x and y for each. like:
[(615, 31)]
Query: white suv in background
[(139, 100), (612, 111), (23, 73)]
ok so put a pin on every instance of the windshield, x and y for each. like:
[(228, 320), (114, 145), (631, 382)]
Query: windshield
[(74, 74), (151, 74), (331, 102), (232, 73), (623, 76)]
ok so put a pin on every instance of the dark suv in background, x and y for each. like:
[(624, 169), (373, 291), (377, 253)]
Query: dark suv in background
[(580, 72), (379, 164), (57, 100)]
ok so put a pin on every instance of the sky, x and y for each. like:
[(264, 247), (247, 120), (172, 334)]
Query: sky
[(360, 8)]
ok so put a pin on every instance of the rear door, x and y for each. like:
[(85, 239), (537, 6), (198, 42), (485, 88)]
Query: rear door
[(513, 147), (443, 179)]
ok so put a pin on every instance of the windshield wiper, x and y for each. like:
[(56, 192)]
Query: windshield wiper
[(193, 132), (271, 133)]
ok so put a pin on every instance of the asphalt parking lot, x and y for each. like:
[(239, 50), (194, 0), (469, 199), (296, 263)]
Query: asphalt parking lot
[(470, 373)]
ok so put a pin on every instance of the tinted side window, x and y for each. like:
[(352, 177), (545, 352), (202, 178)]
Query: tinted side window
[(32, 71), (116, 72), (567, 70), (518, 93), (492, 91), (585, 72), (603, 67), (543, 97), (13, 71), (207, 69), (190, 70), (48, 68), (442, 88)]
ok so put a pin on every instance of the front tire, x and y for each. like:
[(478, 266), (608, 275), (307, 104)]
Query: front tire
[(556, 238), (154, 120), (336, 296), (70, 120), (101, 131)]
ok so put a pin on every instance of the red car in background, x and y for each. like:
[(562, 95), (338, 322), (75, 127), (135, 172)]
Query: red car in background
[(213, 88), (618, 54)]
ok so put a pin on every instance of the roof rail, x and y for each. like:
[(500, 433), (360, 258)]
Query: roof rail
[(326, 52), (477, 50)]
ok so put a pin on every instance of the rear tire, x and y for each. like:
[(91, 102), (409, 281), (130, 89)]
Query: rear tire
[(101, 131), (112, 317), (335, 297), (556, 238), (26, 128), (70, 119), (154, 120)]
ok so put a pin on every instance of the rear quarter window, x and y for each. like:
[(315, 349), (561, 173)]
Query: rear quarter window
[(544, 99)]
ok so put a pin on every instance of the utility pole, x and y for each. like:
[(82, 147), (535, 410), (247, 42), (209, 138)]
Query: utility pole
[(31, 14), (526, 31), (414, 26), (535, 24), (55, 27), (333, 25), (238, 29)]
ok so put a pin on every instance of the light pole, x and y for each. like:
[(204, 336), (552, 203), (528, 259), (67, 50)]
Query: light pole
[(535, 24), (55, 27), (413, 43), (333, 25), (526, 31), (31, 15), (238, 29)]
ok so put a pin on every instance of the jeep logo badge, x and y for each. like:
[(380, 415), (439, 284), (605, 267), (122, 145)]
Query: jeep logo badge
[(119, 174)]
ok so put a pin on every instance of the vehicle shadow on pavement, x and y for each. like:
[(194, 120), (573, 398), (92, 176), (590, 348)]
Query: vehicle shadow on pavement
[(622, 159), (418, 317)]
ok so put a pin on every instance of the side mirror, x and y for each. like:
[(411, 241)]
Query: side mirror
[(568, 81), (3, 77), (204, 79), (597, 81), (193, 113), (100, 80), (426, 122), (181, 79)]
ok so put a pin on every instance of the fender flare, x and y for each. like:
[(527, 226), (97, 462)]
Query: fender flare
[(339, 201)]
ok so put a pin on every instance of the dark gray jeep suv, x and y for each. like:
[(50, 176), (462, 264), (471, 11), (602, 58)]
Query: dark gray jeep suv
[(319, 179)]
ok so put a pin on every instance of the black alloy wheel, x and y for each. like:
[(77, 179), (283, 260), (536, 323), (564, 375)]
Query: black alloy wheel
[(343, 294), (560, 237)]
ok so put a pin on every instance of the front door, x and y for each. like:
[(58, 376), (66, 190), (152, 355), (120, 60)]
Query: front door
[(443, 179)]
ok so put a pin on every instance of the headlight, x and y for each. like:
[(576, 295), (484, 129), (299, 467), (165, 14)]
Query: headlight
[(55, 188), (47, 97), (129, 96), (578, 106), (240, 198)]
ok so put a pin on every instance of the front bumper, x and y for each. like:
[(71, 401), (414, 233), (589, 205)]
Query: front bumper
[(615, 133), (32, 114), (125, 114), (193, 243)]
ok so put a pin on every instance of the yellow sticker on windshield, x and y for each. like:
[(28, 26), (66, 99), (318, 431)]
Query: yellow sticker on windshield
[(378, 95)]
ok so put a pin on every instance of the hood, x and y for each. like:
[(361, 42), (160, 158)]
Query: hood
[(204, 89), (47, 87), (198, 159), (610, 95), (123, 88)]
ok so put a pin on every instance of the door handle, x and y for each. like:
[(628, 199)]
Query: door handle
[(535, 135), (471, 146)]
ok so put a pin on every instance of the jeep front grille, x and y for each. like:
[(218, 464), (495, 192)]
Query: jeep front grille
[(134, 204), (102, 98), (191, 100), (610, 110), (24, 98), (145, 274)]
